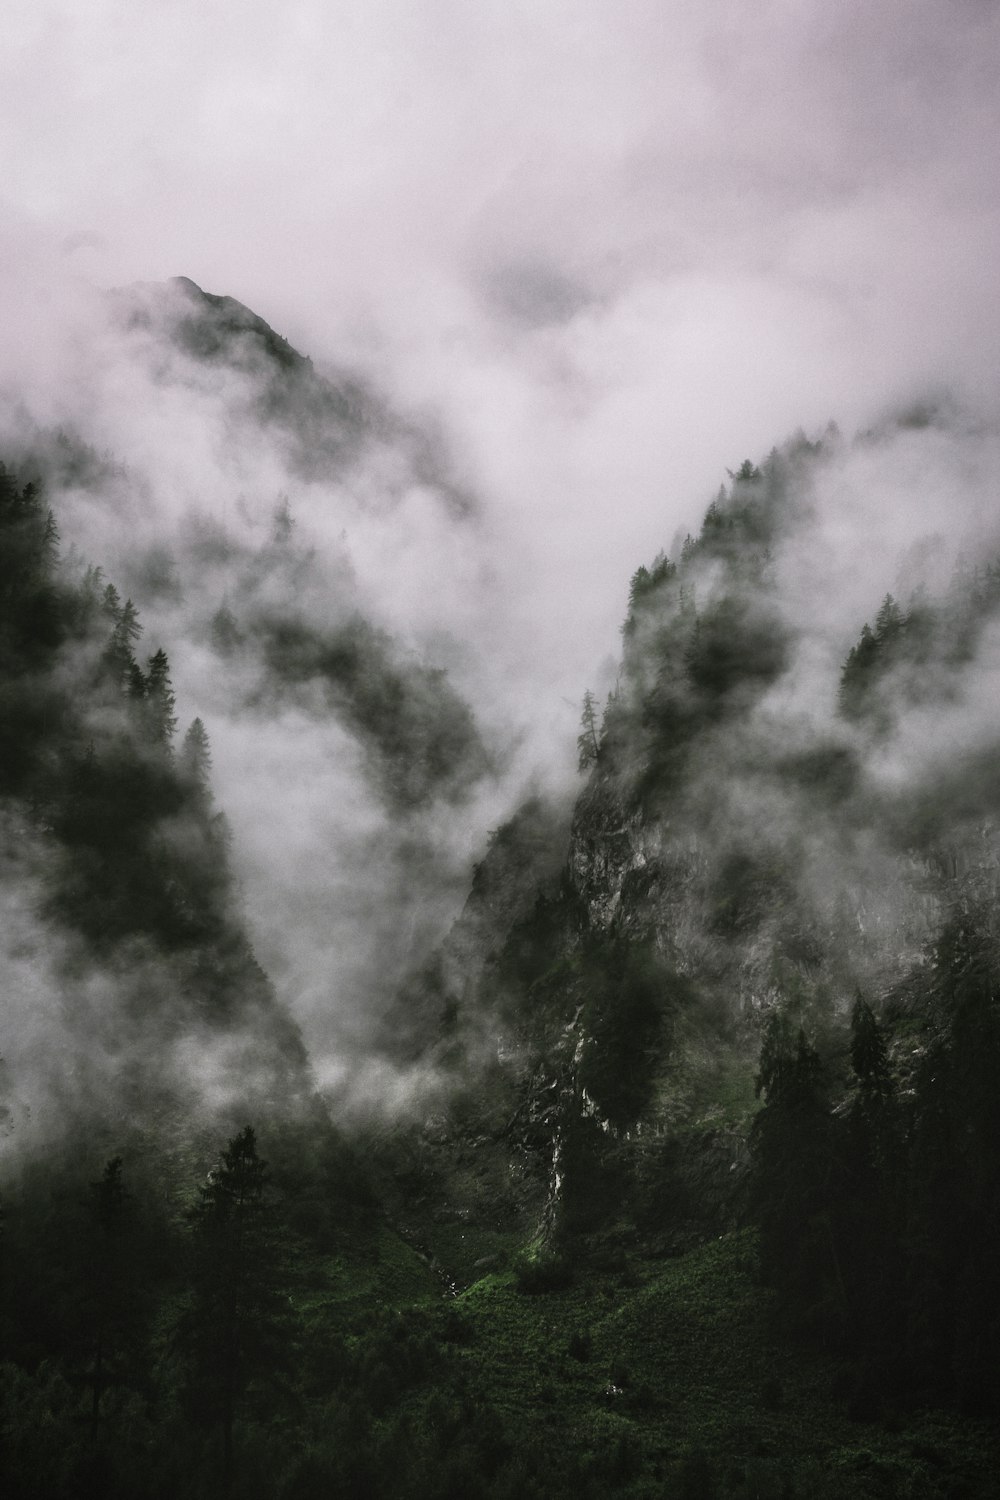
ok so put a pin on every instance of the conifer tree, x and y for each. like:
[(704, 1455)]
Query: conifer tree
[(118, 653), (196, 757), (110, 601), (796, 1177), (113, 1310), (889, 620), (587, 744), (160, 701), (869, 1057), (236, 1329)]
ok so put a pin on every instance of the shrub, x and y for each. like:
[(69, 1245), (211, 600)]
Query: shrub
[(537, 1275)]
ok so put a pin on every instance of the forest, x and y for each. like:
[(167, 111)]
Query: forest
[(702, 1197)]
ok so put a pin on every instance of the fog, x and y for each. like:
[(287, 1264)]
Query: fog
[(576, 264)]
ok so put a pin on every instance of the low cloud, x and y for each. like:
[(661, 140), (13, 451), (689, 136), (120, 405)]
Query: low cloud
[(554, 272)]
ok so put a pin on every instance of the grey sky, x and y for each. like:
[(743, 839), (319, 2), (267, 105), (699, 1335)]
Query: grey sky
[(620, 246)]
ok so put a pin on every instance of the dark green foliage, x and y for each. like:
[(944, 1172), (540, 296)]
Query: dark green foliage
[(534, 975), (876, 1222), (421, 734), (118, 871), (535, 1275), (617, 1360), (647, 587), (735, 646), (580, 1346), (695, 1480), (703, 637), (159, 718), (133, 845), (869, 1057), (797, 1175), (587, 743), (35, 618), (115, 1301), (32, 610), (628, 1007), (954, 1217), (118, 659), (910, 655), (236, 1329), (196, 759)]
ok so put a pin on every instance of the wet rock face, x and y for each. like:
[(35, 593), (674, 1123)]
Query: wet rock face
[(608, 841)]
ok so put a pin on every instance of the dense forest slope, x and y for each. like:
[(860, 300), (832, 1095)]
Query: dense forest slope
[(120, 856), (696, 1190), (758, 978)]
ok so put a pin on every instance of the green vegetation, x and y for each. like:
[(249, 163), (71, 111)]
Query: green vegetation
[(592, 1372)]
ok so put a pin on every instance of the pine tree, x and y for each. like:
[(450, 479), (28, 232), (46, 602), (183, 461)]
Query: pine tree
[(889, 620), (236, 1327), (110, 601), (587, 743), (160, 701), (796, 1177), (857, 674), (50, 543), (196, 757), (118, 653), (110, 1278), (869, 1057)]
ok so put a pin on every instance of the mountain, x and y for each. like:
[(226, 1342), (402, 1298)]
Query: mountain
[(323, 422), (131, 954), (753, 975), (689, 1184)]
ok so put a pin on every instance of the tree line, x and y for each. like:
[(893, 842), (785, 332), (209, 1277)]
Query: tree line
[(879, 1209)]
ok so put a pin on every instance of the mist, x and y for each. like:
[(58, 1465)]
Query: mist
[(563, 270)]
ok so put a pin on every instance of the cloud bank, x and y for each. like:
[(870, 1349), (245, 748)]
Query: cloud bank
[(564, 266)]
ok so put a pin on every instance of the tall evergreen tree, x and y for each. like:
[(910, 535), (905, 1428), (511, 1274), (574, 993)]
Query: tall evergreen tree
[(869, 1057), (119, 658), (796, 1178), (587, 743), (112, 1290), (196, 757), (235, 1330), (160, 701)]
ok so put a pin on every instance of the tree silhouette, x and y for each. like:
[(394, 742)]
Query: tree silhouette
[(196, 758), (160, 717), (114, 1310), (587, 743), (236, 1327), (796, 1176)]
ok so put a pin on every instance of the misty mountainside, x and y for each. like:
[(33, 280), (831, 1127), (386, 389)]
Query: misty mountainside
[(754, 974), (131, 972), (655, 1150), (130, 980), (288, 619), (325, 424), (339, 735)]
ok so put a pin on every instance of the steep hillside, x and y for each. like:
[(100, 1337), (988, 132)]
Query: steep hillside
[(321, 421), (674, 1163), (760, 981), (132, 990)]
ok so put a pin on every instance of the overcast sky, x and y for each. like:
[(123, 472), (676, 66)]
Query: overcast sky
[(619, 246)]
